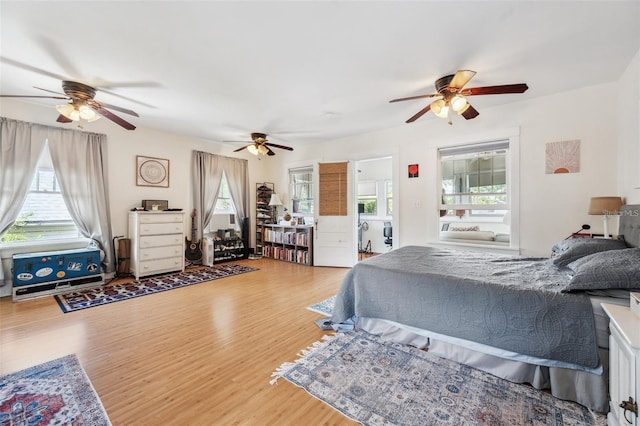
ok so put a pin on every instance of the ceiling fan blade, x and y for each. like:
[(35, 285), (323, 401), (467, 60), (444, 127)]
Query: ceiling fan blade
[(240, 149), (63, 119), (275, 145), (431, 95), (27, 96), (50, 91), (470, 112), (461, 78), (269, 152), (117, 108), (111, 116), (496, 90), (419, 114)]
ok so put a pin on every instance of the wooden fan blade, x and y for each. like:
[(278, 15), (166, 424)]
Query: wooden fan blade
[(419, 114), (495, 90), (111, 116), (431, 95), (63, 119), (240, 149), (275, 145), (269, 152), (470, 112), (117, 108), (461, 78), (27, 96)]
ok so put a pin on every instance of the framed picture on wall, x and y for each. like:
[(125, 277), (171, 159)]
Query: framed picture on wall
[(151, 171)]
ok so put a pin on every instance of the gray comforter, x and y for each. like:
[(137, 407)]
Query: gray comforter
[(508, 302)]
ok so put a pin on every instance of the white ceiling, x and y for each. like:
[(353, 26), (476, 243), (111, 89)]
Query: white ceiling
[(305, 71)]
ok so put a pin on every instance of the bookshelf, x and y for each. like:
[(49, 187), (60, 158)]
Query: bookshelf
[(288, 243)]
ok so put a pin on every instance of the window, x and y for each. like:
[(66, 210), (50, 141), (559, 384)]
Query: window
[(476, 193), (368, 196), (224, 203), (301, 187), (44, 216)]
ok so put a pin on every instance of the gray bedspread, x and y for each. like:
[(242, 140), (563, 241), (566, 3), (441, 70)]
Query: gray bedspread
[(508, 302)]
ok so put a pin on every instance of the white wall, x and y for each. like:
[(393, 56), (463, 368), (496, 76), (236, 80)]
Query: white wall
[(628, 126)]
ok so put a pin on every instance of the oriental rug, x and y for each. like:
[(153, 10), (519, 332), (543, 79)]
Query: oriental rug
[(324, 307), (57, 392), (114, 293), (378, 383)]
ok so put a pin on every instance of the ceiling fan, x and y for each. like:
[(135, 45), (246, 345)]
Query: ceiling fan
[(452, 96), (261, 145), (82, 105)]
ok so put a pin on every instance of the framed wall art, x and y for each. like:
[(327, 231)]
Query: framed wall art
[(151, 171)]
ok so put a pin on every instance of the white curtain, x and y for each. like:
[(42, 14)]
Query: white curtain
[(238, 181), (21, 145), (206, 176), (80, 162)]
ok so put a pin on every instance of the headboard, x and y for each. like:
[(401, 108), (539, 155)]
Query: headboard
[(630, 224)]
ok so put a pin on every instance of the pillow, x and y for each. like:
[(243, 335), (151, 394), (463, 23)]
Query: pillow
[(566, 251), (464, 228), (606, 270)]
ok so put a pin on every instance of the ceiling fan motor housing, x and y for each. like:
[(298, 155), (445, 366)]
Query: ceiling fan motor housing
[(77, 90)]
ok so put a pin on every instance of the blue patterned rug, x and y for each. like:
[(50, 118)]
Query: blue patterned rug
[(325, 307), (57, 392), (114, 293), (377, 383)]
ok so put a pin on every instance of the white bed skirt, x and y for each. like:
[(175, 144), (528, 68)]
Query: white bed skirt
[(586, 388)]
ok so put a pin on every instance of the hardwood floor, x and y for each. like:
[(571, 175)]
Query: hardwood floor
[(199, 355)]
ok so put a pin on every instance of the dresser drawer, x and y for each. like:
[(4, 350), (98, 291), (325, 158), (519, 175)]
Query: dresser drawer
[(160, 252), (160, 228), (160, 218), (147, 241), (150, 267)]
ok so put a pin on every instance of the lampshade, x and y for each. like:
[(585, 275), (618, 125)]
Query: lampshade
[(458, 103), (275, 200), (262, 149), (605, 205), (75, 112), (252, 149), (440, 108)]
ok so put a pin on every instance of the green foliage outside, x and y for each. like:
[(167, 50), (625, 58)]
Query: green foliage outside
[(17, 231)]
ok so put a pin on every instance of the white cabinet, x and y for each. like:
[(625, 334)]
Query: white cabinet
[(157, 242), (624, 359)]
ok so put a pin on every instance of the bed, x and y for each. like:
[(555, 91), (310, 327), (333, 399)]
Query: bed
[(528, 320)]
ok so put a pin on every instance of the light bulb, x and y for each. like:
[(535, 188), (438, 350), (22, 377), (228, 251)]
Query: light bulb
[(458, 103), (252, 149)]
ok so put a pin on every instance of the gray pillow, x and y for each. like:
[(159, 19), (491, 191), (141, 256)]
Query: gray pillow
[(606, 270), (566, 251)]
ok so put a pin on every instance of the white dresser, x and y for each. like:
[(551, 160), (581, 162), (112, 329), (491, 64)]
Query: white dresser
[(157, 242), (624, 368)]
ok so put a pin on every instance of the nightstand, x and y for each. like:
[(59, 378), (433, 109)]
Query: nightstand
[(624, 359)]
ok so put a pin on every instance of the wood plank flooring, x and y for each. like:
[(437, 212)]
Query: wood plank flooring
[(198, 355)]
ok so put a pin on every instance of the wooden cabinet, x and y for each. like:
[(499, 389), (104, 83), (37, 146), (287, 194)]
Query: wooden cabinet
[(289, 243), (264, 212), (624, 360), (157, 242)]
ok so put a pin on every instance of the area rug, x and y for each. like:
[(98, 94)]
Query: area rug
[(57, 392), (378, 383), (114, 293), (324, 307)]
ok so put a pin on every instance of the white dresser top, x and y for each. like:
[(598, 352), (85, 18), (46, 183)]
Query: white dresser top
[(627, 321)]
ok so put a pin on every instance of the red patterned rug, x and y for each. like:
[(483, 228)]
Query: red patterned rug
[(57, 392), (114, 293)]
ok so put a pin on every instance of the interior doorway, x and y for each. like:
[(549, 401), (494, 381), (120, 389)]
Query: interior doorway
[(374, 204)]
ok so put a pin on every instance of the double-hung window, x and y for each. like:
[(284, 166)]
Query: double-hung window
[(224, 202), (301, 188), (475, 185)]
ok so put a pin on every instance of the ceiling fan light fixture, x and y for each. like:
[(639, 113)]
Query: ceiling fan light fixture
[(252, 149), (458, 103), (65, 110), (440, 108), (262, 149)]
